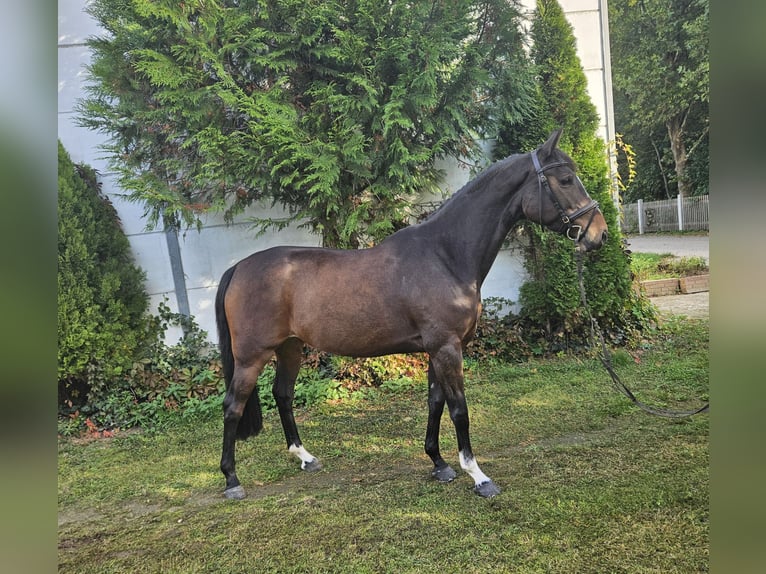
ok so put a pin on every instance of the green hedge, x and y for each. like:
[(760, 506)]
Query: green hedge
[(550, 298), (552, 316), (102, 305)]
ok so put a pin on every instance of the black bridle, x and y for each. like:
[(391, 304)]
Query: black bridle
[(566, 218)]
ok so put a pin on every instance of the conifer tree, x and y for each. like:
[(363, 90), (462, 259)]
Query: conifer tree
[(661, 91), (102, 304), (335, 110), (550, 298)]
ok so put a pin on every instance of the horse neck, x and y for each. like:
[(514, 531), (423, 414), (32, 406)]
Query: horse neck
[(471, 226)]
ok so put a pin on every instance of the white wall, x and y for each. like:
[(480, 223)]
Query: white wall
[(207, 253)]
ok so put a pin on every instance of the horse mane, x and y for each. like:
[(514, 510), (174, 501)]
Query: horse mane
[(476, 183)]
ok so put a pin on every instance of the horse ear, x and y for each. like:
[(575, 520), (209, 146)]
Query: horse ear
[(552, 142)]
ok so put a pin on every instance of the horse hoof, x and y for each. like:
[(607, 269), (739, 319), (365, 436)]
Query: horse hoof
[(444, 473), (312, 465), (234, 493), (487, 489)]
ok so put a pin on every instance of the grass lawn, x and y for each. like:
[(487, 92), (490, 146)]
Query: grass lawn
[(664, 265), (590, 483)]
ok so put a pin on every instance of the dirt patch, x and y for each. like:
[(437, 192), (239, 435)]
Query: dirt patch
[(77, 515)]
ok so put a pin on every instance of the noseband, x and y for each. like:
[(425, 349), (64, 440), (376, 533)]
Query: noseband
[(566, 218)]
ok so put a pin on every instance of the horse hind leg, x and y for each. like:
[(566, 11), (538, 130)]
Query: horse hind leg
[(289, 356), (241, 399)]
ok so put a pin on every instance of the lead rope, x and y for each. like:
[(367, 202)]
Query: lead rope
[(606, 360)]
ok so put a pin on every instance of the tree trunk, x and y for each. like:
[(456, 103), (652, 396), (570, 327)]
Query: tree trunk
[(676, 136), (661, 168)]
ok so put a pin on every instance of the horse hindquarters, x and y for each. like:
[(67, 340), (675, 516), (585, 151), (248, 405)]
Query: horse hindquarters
[(251, 419)]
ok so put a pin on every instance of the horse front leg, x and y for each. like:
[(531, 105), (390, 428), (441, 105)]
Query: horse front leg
[(448, 367), (442, 471)]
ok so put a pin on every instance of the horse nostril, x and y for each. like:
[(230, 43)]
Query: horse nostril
[(604, 236)]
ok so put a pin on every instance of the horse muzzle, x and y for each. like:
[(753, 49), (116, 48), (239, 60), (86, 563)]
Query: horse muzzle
[(584, 244), (593, 235)]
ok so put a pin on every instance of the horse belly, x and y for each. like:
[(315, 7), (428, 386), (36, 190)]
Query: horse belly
[(353, 322)]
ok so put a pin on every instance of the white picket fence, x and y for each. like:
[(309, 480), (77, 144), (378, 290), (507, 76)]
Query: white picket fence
[(679, 214)]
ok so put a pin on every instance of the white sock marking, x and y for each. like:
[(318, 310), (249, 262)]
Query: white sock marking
[(305, 456), (472, 468)]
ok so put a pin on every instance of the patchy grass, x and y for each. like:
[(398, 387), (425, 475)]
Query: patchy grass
[(665, 265), (590, 484)]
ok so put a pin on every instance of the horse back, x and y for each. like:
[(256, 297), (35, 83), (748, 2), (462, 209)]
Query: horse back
[(351, 302)]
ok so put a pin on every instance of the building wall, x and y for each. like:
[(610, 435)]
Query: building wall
[(205, 254)]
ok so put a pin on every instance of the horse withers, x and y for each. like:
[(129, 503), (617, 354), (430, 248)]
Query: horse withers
[(416, 291)]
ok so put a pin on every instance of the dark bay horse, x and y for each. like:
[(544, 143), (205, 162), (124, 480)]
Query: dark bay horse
[(416, 291)]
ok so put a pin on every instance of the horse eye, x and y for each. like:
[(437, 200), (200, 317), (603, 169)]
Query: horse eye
[(568, 180)]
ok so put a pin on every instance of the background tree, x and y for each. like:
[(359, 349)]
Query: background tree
[(550, 297), (660, 75), (335, 110), (102, 304)]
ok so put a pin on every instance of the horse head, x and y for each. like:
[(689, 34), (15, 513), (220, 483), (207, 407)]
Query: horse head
[(558, 200)]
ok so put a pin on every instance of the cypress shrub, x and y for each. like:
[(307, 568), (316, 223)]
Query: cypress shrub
[(103, 322), (550, 299)]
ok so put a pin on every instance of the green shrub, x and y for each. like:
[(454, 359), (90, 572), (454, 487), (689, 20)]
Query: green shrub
[(646, 266), (188, 369), (377, 371), (683, 266), (552, 317), (102, 306), (166, 382), (498, 334)]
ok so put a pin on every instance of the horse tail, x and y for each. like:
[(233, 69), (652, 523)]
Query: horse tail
[(224, 337), (251, 422)]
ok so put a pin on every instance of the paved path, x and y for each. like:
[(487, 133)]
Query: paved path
[(680, 245), (693, 305)]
